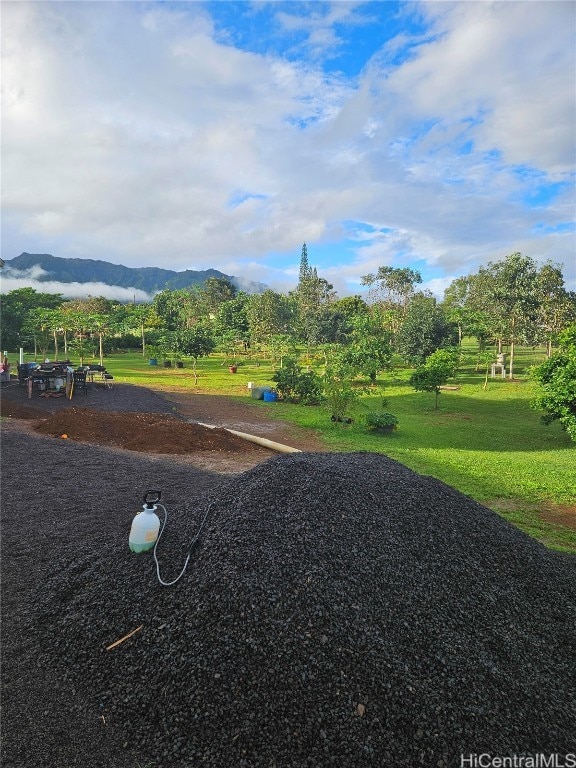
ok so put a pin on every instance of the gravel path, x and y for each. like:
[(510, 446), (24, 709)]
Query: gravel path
[(340, 611)]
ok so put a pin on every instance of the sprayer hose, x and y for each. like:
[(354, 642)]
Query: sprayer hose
[(194, 540)]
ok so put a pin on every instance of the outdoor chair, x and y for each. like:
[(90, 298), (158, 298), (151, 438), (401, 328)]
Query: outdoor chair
[(22, 374), (80, 382)]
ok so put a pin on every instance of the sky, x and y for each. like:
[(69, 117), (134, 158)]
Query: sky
[(192, 135)]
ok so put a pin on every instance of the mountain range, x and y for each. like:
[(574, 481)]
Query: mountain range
[(48, 268)]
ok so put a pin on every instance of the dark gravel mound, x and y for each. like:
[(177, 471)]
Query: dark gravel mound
[(340, 610)]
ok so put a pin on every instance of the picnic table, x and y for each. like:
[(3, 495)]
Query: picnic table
[(50, 380), (61, 379), (97, 374)]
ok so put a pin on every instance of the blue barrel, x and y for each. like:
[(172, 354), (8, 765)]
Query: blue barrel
[(270, 397)]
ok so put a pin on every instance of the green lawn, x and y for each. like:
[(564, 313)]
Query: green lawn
[(487, 443)]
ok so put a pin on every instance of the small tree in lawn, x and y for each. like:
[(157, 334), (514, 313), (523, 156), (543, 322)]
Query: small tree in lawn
[(196, 342), (438, 368), (339, 393)]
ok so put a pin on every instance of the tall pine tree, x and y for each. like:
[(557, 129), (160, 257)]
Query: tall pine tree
[(305, 271)]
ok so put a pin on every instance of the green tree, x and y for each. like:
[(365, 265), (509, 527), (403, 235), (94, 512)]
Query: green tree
[(38, 326), (15, 307), (178, 308), (394, 289), (556, 305), (197, 342), (269, 314), (231, 325), (424, 330), (281, 344), (313, 294), (557, 380), (350, 306), (305, 270), (324, 326), (507, 291), (103, 325), (141, 318), (367, 350), (93, 317), (439, 367), (215, 292)]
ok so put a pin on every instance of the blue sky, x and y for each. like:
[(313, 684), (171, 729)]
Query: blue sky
[(187, 135)]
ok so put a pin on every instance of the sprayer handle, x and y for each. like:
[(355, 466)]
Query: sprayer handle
[(151, 497)]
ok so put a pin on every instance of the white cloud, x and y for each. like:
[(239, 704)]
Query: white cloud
[(129, 130), (14, 279), (508, 64)]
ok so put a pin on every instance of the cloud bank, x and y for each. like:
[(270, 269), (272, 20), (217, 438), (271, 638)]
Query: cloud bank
[(12, 279), (149, 134)]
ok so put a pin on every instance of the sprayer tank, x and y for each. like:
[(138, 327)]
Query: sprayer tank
[(144, 531)]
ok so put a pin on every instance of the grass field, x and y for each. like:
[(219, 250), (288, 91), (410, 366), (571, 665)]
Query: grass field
[(486, 442)]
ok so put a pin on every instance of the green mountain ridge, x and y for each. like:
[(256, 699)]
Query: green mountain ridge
[(148, 279)]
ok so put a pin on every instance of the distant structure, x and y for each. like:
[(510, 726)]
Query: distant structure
[(499, 366)]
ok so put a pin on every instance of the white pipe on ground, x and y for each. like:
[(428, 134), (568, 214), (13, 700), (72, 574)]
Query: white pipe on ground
[(258, 440)]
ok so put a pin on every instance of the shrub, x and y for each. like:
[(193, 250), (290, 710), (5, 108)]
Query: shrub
[(378, 419), (339, 396), (297, 386), (557, 379)]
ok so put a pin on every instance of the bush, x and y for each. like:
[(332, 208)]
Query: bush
[(378, 419), (557, 379), (296, 386), (339, 395)]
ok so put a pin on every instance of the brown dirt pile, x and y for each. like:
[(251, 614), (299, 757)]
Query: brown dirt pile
[(144, 432), (10, 409)]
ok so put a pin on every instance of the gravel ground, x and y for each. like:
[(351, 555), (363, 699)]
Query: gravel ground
[(124, 398), (340, 610), (62, 502)]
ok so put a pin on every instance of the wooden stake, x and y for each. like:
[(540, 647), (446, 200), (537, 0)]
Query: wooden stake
[(109, 648)]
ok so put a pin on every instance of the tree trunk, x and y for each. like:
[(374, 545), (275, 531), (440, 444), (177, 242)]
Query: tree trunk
[(101, 349), (511, 373), (55, 345)]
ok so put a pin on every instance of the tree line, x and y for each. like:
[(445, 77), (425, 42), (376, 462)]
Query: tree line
[(506, 303), (510, 302)]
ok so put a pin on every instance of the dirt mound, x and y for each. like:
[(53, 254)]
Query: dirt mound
[(144, 432), (13, 410), (341, 610)]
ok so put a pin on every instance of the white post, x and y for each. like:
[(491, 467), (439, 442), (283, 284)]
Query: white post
[(21, 355)]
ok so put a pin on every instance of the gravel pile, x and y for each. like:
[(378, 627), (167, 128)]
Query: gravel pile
[(339, 610)]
